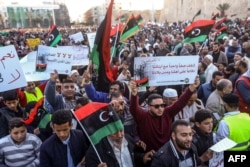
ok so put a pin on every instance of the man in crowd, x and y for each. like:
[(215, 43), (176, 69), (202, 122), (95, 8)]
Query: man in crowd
[(67, 146), (154, 124), (179, 151), (234, 124)]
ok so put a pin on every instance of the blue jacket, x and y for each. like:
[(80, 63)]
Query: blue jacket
[(53, 153), (96, 96), (204, 91)]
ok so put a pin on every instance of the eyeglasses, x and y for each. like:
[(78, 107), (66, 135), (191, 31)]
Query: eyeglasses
[(163, 105)]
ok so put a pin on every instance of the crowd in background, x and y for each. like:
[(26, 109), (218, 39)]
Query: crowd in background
[(167, 125)]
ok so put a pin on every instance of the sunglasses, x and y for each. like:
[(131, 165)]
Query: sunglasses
[(163, 105)]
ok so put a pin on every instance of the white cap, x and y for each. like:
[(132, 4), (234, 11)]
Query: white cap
[(169, 92), (73, 71), (209, 57)]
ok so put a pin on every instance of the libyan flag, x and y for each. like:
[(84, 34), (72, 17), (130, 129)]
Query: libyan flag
[(98, 120), (54, 36), (100, 54), (221, 33), (197, 31), (139, 19), (130, 28)]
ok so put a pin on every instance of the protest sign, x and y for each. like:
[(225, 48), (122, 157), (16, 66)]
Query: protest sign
[(28, 64), (167, 70), (11, 73), (80, 54), (50, 59), (33, 42), (91, 39), (78, 37)]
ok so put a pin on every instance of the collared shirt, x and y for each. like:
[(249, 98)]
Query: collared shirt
[(223, 129), (70, 160), (123, 156)]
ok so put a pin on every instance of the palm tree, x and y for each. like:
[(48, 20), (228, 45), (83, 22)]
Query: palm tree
[(222, 8)]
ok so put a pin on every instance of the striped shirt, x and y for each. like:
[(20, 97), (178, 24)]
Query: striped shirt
[(25, 154)]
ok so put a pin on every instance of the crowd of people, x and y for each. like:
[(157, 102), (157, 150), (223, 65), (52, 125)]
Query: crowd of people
[(168, 126)]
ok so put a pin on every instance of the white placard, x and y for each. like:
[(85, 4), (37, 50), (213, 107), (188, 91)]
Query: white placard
[(78, 37), (11, 73), (50, 59), (167, 70), (91, 39), (80, 54), (223, 145), (28, 64)]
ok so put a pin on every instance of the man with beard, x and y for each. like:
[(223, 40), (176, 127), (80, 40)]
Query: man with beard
[(219, 57), (240, 68), (179, 151)]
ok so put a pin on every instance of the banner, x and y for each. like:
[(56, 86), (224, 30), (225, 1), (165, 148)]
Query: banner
[(50, 59), (167, 70), (28, 64), (11, 73), (33, 42), (78, 37), (91, 39)]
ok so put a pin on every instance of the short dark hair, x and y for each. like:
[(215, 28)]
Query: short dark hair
[(82, 100), (202, 115), (61, 117), (10, 95), (179, 123), (67, 81), (16, 123), (217, 73), (121, 86), (115, 95), (152, 97)]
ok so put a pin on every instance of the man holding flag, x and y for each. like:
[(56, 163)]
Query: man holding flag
[(105, 131)]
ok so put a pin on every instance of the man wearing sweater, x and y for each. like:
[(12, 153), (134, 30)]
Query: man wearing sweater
[(154, 124), (19, 148)]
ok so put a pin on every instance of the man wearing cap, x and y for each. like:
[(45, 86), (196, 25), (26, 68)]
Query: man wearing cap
[(234, 124), (170, 96), (208, 59)]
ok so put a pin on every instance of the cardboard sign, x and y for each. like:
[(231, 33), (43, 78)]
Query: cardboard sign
[(11, 73)]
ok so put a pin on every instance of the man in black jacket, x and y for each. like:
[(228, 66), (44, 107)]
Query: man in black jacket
[(179, 151), (203, 136), (67, 146)]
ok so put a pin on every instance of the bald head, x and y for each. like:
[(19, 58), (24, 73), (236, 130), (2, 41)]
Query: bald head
[(224, 86)]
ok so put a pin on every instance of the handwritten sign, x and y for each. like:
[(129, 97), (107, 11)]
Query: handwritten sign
[(28, 64), (11, 74), (78, 37), (50, 59), (33, 42), (169, 70), (91, 39), (80, 54)]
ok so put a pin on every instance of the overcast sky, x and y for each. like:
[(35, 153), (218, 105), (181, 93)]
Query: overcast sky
[(80, 6)]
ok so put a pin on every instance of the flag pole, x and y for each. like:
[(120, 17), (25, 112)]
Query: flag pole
[(98, 156), (203, 44)]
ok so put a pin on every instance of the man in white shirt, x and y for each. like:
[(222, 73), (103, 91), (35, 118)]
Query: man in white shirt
[(208, 59)]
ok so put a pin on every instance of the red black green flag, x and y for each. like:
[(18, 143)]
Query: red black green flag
[(130, 28), (100, 55), (98, 120), (54, 36), (121, 18), (139, 19), (197, 31), (219, 34)]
